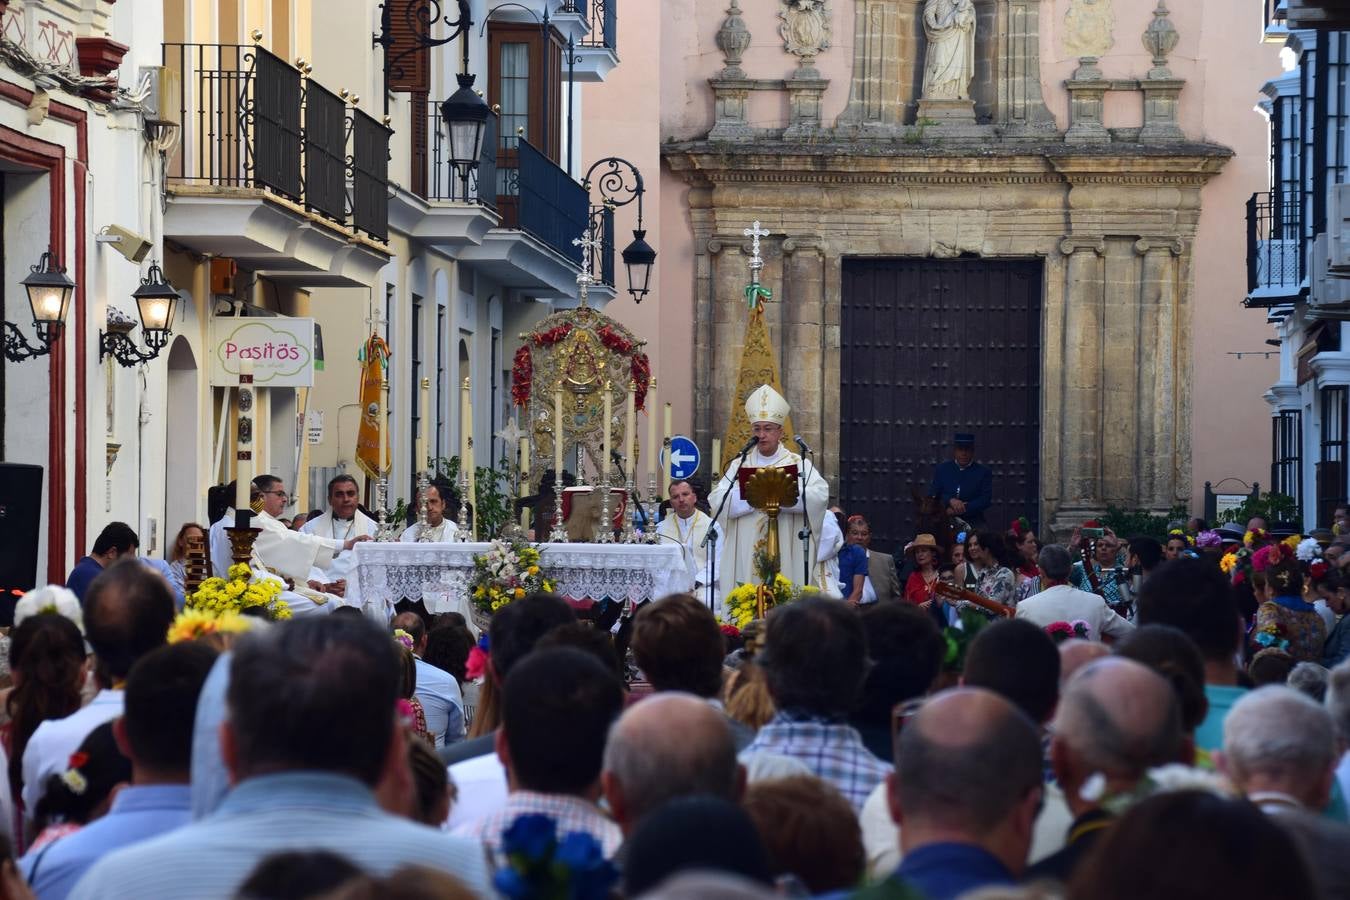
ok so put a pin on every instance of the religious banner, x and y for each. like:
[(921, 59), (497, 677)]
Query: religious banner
[(375, 360)]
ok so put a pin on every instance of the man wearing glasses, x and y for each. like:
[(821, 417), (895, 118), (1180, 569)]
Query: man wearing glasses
[(292, 554)]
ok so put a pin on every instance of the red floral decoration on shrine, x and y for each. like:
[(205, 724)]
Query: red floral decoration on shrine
[(552, 336), (642, 378), (614, 341), (522, 376)]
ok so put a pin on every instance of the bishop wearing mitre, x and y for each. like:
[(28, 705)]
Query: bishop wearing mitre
[(745, 526)]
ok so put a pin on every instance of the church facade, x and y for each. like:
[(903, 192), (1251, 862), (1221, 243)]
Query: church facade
[(1000, 216)]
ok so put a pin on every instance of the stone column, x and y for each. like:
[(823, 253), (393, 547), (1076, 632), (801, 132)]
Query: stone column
[(1019, 97), (1081, 426), (874, 99), (1156, 420), (804, 337)]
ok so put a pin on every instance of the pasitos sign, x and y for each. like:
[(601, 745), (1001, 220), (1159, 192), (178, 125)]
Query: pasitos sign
[(282, 350)]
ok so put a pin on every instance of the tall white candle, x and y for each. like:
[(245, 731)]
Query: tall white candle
[(665, 466), (465, 426), (652, 449), (629, 428), (557, 441), (243, 449), (716, 467), (606, 446), (524, 479), (424, 423), (384, 426)]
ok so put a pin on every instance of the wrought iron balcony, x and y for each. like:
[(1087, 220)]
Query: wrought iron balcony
[(433, 176), (252, 120), (602, 16), (1276, 252), (541, 199)]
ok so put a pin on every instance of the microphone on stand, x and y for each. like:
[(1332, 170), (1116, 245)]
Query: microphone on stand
[(801, 444), (749, 445)]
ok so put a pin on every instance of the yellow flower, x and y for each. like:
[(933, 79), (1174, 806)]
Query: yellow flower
[(239, 570), (532, 570), (1292, 541), (520, 593), (1228, 562)]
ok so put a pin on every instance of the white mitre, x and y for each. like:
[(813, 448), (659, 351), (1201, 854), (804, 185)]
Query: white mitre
[(766, 405)]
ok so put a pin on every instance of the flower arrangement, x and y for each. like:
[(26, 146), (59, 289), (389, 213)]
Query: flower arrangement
[(1318, 569), (1228, 563), (1256, 537), (1308, 550), (243, 592), (507, 572), (552, 336), (192, 624), (1062, 631), (541, 866), (1209, 540), (742, 604)]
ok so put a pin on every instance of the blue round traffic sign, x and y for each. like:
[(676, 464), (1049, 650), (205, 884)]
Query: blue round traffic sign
[(684, 457)]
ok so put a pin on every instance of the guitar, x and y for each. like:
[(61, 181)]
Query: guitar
[(952, 592)]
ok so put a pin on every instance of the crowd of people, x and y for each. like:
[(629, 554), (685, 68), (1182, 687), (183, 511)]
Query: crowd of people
[(1183, 734)]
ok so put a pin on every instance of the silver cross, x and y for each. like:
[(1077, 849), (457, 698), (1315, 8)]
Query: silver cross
[(584, 278), (755, 232)]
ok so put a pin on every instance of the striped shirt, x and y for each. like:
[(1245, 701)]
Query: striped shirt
[(301, 810), (570, 813), (833, 751)]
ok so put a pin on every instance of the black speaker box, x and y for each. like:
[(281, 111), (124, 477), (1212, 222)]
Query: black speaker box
[(20, 519)]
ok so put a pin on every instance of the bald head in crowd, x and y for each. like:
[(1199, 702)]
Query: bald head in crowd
[(1117, 718), (669, 745), (1276, 739), (968, 770), (1076, 653)]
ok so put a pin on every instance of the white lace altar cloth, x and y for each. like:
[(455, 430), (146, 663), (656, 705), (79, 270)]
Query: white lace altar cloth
[(440, 573)]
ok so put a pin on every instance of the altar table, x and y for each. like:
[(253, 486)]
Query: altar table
[(440, 573)]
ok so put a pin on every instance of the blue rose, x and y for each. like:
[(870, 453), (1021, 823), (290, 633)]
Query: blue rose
[(578, 851), (531, 836), (509, 883)]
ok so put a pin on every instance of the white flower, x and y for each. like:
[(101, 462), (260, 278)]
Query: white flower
[(1093, 789), (51, 598), (1177, 777), (1308, 550)]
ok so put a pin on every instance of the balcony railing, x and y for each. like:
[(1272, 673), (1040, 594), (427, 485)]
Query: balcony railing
[(603, 19), (434, 178), (602, 261), (1276, 261), (250, 120), (549, 204)]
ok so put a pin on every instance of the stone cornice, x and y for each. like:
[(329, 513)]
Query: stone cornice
[(829, 163)]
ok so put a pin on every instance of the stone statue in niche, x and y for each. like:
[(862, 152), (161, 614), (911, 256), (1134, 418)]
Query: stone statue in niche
[(950, 62), (805, 29), (1088, 27)]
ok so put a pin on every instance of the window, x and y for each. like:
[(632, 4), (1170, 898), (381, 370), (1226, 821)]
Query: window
[(1331, 464), (524, 80), (415, 404), (1287, 455), (440, 380)]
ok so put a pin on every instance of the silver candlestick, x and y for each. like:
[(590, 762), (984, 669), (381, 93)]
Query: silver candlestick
[(423, 530), (463, 523), (630, 534), (382, 525), (558, 535), (606, 535), (655, 507)]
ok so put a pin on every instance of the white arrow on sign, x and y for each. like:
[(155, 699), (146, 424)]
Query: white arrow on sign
[(679, 459)]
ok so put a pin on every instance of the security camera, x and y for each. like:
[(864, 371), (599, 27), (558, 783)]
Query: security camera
[(128, 243)]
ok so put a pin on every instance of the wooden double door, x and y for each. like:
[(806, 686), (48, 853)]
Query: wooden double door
[(929, 348)]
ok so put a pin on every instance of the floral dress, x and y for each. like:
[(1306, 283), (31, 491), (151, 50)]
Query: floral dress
[(1291, 624), (996, 583)]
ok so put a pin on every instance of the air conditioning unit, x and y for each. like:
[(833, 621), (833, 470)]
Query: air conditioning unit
[(1338, 229), (1325, 291), (163, 104)]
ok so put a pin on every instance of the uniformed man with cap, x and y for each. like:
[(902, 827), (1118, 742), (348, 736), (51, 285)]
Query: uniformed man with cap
[(965, 487), (742, 525)]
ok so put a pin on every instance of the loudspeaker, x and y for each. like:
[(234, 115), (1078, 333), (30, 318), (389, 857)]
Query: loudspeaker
[(20, 519)]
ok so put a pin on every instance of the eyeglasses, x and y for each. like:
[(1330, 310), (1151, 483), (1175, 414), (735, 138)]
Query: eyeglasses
[(282, 494)]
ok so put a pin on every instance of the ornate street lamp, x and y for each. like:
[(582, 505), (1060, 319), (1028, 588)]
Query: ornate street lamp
[(615, 189), (156, 301), (49, 292), (465, 116)]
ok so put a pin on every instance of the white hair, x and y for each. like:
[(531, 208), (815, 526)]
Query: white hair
[(1338, 699), (1277, 730), (50, 598)]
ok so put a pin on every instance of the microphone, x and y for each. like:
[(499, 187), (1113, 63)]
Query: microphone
[(616, 455), (749, 445), (801, 444)]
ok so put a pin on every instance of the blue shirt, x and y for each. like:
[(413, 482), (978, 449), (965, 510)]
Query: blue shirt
[(85, 571), (297, 810), (210, 780), (442, 703), (852, 561), (1221, 697), (138, 814), (973, 486), (947, 870)]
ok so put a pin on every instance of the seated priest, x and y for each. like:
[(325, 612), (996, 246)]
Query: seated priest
[(746, 526), (439, 528), (342, 522), (296, 555)]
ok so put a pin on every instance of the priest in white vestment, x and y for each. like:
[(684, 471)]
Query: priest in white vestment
[(439, 529), (342, 522), (295, 555), (745, 526), (687, 525)]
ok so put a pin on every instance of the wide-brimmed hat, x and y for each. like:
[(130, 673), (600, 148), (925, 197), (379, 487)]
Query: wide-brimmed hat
[(922, 542), (1230, 532)]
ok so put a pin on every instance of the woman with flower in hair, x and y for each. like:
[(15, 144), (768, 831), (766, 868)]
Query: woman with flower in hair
[(80, 794), (1178, 544), (1284, 619), (1023, 548)]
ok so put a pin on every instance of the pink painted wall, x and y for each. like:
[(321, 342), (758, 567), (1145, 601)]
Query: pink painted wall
[(1222, 58)]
